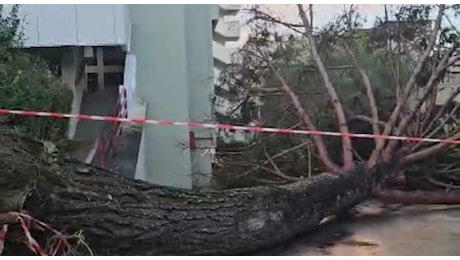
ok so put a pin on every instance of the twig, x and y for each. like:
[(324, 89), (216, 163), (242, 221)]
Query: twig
[(440, 126), (368, 119), (259, 15), (286, 151), (430, 86), (309, 160), (442, 110), (277, 170), (442, 184), (420, 155)]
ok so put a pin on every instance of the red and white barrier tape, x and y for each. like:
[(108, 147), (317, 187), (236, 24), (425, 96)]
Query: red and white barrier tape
[(225, 126)]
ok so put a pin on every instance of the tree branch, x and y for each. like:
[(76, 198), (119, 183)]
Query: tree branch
[(331, 166), (430, 87), (277, 171), (258, 14), (409, 86), (442, 110), (286, 151), (347, 149), (368, 119), (420, 155), (369, 91), (439, 127)]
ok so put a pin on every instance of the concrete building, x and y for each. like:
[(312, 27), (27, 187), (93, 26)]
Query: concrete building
[(167, 55)]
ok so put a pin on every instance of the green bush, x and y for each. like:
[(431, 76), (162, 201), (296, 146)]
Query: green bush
[(26, 83)]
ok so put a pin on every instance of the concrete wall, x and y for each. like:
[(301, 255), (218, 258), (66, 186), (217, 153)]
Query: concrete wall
[(77, 25)]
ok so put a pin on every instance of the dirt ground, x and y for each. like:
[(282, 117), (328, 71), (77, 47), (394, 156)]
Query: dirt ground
[(413, 230)]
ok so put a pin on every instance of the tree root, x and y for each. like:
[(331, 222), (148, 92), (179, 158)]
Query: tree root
[(417, 197)]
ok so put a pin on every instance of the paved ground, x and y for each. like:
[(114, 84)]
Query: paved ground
[(416, 230), (124, 163)]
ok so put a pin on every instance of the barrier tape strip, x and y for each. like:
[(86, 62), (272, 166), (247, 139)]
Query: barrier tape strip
[(3, 231), (31, 242), (224, 126)]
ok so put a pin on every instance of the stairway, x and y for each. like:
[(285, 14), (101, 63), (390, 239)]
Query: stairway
[(103, 103)]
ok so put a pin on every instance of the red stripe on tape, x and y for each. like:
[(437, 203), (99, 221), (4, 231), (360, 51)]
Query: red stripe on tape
[(58, 115), (164, 122), (139, 121), (195, 125), (284, 131), (84, 117), (28, 113)]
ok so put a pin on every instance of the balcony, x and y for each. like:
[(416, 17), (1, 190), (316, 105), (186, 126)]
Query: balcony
[(227, 29)]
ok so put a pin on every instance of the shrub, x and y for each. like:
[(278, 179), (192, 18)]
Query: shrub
[(26, 83)]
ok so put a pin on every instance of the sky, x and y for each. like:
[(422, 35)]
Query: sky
[(322, 15)]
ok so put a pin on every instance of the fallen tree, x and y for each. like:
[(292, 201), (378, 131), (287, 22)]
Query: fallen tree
[(120, 216), (381, 81)]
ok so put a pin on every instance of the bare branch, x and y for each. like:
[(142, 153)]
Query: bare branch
[(430, 87), (428, 111), (442, 110), (445, 62), (368, 119), (277, 171), (331, 166), (257, 91), (423, 154), (409, 86), (342, 122), (260, 15), (369, 91), (438, 127), (282, 153)]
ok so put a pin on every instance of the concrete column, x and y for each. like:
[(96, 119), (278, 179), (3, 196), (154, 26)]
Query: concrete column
[(71, 66), (201, 87), (159, 43)]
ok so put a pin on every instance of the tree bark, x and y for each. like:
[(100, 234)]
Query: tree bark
[(120, 216), (127, 217)]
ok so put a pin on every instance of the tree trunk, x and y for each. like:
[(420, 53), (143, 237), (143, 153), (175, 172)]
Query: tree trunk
[(119, 216), (126, 217)]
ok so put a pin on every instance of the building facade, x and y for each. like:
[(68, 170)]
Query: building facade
[(171, 55)]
